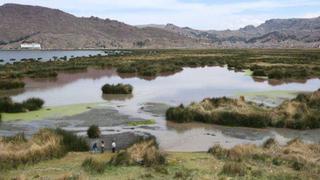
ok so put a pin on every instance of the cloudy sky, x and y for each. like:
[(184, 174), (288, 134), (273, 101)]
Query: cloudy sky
[(200, 14)]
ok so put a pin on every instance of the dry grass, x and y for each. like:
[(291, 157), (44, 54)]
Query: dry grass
[(144, 153), (303, 112), (295, 153), (43, 145)]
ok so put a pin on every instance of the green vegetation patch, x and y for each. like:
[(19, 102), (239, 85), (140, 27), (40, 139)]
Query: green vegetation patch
[(11, 84), (49, 112), (302, 112), (117, 89), (141, 123)]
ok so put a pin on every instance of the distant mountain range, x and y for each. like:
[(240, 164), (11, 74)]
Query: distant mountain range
[(55, 29)]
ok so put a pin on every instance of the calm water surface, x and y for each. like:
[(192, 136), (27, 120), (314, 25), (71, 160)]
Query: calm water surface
[(192, 84)]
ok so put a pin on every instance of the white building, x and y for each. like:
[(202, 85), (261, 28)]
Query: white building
[(30, 46)]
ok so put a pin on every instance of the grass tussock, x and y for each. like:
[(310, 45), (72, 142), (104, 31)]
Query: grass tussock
[(145, 153), (234, 169), (94, 166), (93, 132), (223, 111), (31, 104), (44, 145), (12, 84), (302, 112), (295, 155), (117, 89)]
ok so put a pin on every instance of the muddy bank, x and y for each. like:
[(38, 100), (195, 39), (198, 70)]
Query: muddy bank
[(103, 117), (123, 140)]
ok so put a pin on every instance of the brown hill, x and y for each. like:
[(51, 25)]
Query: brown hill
[(55, 29)]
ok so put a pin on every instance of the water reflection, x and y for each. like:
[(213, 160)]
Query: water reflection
[(192, 84), (150, 100), (277, 82), (117, 97)]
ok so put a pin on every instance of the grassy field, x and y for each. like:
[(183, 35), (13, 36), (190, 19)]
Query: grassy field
[(179, 166), (58, 154)]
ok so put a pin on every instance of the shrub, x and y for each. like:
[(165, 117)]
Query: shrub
[(143, 153), (15, 108), (296, 165), (93, 131), (8, 106), (218, 151), (72, 142), (269, 143), (94, 166), (117, 89), (234, 169), (33, 104), (13, 84), (5, 102)]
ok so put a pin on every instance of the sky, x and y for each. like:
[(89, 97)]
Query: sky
[(198, 14)]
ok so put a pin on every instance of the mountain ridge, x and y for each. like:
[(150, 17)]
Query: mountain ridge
[(55, 29)]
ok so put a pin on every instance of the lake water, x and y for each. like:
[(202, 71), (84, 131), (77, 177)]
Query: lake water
[(151, 97), (44, 55)]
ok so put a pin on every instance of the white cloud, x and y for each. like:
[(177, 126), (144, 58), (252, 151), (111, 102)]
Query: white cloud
[(193, 14)]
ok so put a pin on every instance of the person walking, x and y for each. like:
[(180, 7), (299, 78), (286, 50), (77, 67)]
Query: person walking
[(102, 147), (95, 147), (114, 145)]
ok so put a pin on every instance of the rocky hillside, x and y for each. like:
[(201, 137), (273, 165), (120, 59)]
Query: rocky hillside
[(55, 29), (273, 33)]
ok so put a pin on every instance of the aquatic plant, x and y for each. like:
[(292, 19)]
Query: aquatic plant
[(93, 131), (117, 89), (259, 72), (233, 113), (31, 104), (11, 84), (302, 112), (127, 69)]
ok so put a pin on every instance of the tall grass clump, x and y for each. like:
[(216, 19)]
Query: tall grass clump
[(94, 166), (234, 169), (223, 111), (117, 89), (31, 104), (303, 112), (44, 145), (93, 132), (144, 153), (11, 84), (72, 142)]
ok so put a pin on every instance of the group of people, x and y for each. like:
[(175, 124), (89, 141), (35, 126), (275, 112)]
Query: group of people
[(102, 147)]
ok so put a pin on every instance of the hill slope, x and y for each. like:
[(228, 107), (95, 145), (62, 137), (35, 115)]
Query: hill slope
[(55, 29)]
